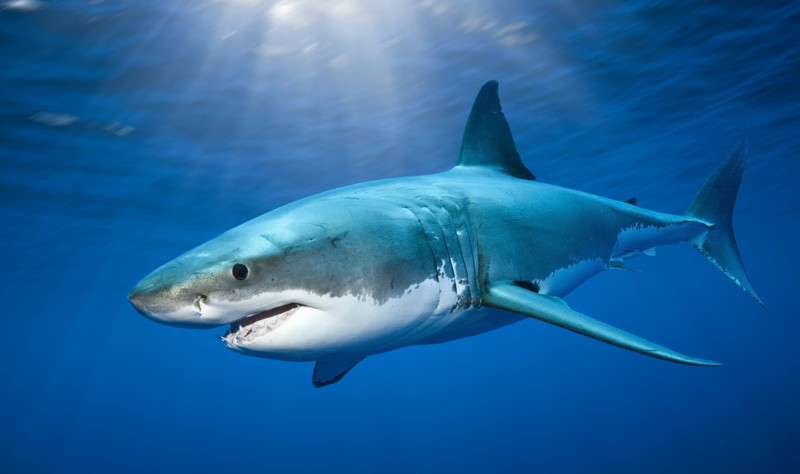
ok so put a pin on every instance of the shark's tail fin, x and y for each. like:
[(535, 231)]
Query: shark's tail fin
[(714, 205)]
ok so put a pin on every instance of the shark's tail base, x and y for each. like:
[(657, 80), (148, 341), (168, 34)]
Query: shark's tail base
[(714, 205)]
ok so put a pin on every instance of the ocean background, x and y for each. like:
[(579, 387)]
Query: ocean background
[(131, 131)]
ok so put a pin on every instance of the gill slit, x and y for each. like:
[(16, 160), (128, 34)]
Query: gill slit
[(452, 239)]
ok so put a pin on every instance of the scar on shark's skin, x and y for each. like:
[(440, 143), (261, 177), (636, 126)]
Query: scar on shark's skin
[(377, 266)]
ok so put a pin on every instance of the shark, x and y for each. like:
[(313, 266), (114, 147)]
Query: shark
[(377, 266)]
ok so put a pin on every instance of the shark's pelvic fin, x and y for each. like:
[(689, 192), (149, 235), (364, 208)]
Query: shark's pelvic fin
[(510, 297), (331, 370), (714, 205), (487, 138), (620, 265)]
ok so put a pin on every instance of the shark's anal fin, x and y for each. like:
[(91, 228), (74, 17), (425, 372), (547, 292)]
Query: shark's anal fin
[(510, 297), (487, 141), (332, 369)]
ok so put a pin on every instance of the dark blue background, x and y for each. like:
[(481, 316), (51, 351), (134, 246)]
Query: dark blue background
[(131, 131)]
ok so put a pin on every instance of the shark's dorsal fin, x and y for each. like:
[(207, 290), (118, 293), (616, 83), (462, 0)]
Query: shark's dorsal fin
[(331, 370), (487, 138)]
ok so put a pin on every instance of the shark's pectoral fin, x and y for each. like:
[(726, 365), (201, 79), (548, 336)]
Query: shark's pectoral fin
[(332, 369), (510, 297)]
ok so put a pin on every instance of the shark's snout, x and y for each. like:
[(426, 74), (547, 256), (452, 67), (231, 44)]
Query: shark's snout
[(145, 296), (137, 299), (165, 304), (142, 299)]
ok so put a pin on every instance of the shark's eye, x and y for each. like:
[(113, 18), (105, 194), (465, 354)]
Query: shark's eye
[(239, 271)]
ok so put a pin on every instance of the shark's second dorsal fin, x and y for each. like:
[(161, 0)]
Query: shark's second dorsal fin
[(487, 138)]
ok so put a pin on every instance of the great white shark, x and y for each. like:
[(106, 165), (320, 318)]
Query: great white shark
[(377, 266)]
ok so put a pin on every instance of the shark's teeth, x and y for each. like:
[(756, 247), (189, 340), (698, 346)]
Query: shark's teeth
[(242, 332)]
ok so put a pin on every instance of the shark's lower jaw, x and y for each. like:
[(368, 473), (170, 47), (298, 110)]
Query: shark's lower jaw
[(258, 325)]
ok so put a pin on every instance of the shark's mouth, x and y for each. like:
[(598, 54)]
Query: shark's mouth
[(260, 324)]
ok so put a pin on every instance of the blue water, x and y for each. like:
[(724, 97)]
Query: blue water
[(131, 131)]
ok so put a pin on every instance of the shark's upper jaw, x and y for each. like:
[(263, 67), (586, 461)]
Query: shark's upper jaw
[(252, 327)]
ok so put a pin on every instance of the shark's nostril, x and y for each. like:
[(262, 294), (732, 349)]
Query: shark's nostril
[(198, 303)]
